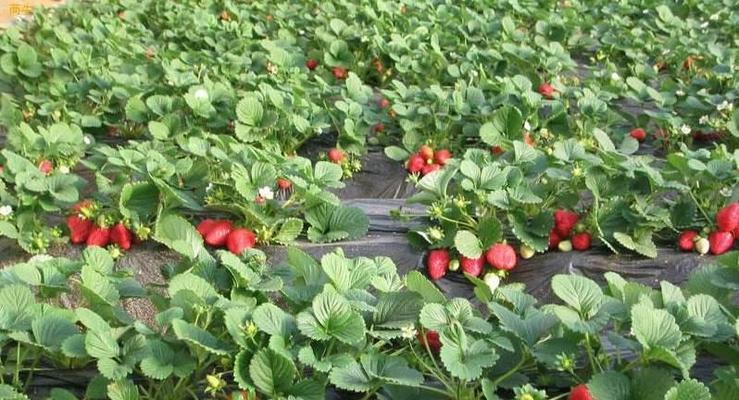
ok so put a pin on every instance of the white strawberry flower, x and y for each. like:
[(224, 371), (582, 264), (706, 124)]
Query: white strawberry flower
[(527, 126), (209, 187), (64, 169), (267, 193), (714, 17), (201, 94), (87, 140), (6, 211), (409, 331), (272, 69), (615, 76), (725, 105), (680, 93), (685, 129), (703, 120), (704, 25)]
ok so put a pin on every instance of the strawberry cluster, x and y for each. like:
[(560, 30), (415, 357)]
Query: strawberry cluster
[(84, 229), (222, 233), (501, 257), (426, 160), (567, 234), (720, 240)]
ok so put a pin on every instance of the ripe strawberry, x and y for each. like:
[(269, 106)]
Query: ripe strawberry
[(496, 150), (426, 152), (720, 242), (311, 64), (639, 134), (205, 226), (378, 127), (546, 90), (442, 156), (339, 73), (284, 184), (564, 221), (240, 239), (437, 263), (121, 236), (528, 138), (472, 266), (79, 229), (686, 241), (554, 239), (688, 63), (415, 164), (429, 168), (431, 340), (46, 167), (727, 219), (99, 237), (581, 241), (218, 233), (580, 392), (383, 103), (501, 256), (336, 156)]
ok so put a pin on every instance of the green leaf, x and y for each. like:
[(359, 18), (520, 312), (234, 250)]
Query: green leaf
[(654, 327), (578, 292), (468, 244), (610, 385), (158, 130), (15, 304), (506, 124), (136, 110), (331, 223), (651, 383), (332, 317), (139, 200), (396, 153), (52, 329), (179, 235), (272, 320), (690, 389), (123, 390), (249, 111), (290, 229), (199, 337), (8, 392), (101, 345), (417, 282), (271, 372), (464, 358)]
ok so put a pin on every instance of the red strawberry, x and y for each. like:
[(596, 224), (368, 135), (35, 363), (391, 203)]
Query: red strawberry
[(639, 134), (378, 127), (121, 236), (546, 90), (426, 152), (442, 156), (727, 219), (496, 150), (688, 63), (581, 241), (472, 266), (258, 199), (501, 256), (311, 64), (46, 167), (79, 229), (528, 138), (383, 103), (429, 168), (580, 392), (736, 233), (431, 340), (437, 263), (205, 226), (336, 156), (218, 233), (415, 164), (554, 239), (721, 242), (284, 184), (564, 221), (99, 237), (240, 239), (339, 72), (686, 241)]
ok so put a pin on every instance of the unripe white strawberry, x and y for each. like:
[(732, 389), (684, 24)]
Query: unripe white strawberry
[(492, 280), (526, 252), (453, 265), (565, 246), (702, 246)]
